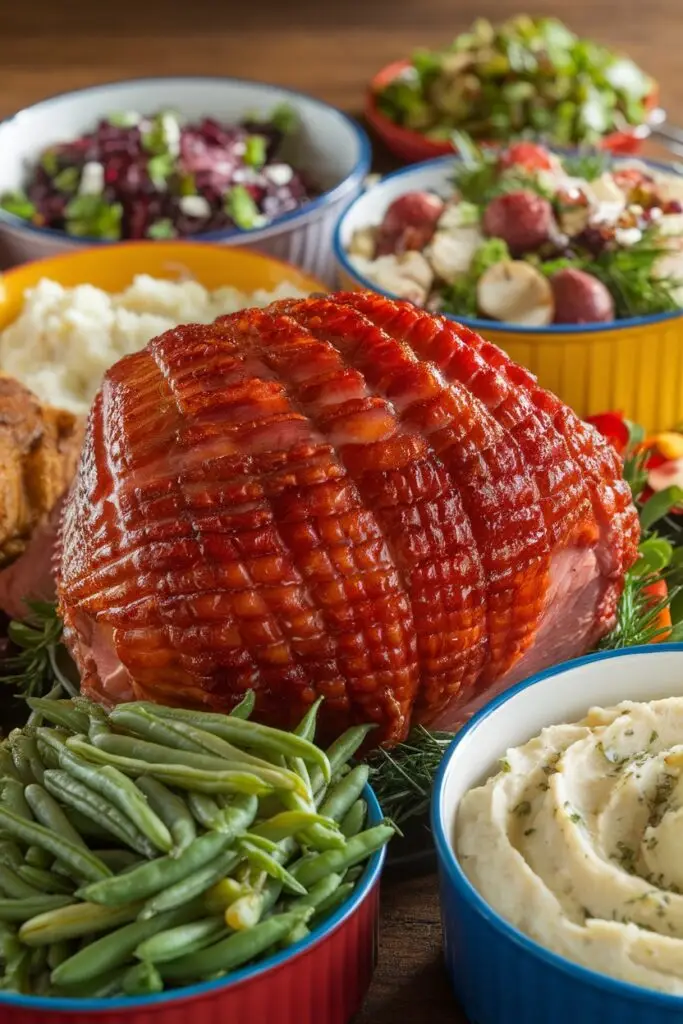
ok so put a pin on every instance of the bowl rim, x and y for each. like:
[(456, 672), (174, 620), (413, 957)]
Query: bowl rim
[(476, 323), (321, 202), (458, 881), (146, 243), (121, 1004)]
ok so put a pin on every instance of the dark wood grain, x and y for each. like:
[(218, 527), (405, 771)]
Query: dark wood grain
[(331, 51)]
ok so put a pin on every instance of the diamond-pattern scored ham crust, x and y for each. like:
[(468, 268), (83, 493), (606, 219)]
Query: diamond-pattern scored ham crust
[(342, 496)]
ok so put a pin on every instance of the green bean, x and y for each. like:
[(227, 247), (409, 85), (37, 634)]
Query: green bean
[(246, 911), (354, 819), (37, 858), (37, 835), (47, 812), (84, 799), (205, 809), (318, 893), (7, 768), (261, 842), (341, 751), (43, 881), (85, 826), (25, 909), (180, 775), (13, 799), (142, 979), (20, 757), (333, 901), (237, 813), (58, 952), (244, 733), (306, 727), (265, 862), (48, 754), (104, 986), (320, 836), (17, 966), (300, 932), (14, 886), (157, 875), (357, 849), (271, 893), (115, 948), (60, 712), (119, 791), (236, 949), (172, 810), (245, 706), (73, 921), (184, 737), (353, 874), (341, 797), (10, 854), (188, 889), (177, 753), (287, 823), (119, 861), (182, 940)]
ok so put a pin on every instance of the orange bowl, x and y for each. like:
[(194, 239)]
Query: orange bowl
[(413, 146)]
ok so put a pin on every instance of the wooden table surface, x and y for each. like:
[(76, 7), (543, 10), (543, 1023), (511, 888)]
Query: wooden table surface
[(330, 51)]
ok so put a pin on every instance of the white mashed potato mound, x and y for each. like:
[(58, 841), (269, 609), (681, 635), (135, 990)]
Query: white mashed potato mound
[(65, 339)]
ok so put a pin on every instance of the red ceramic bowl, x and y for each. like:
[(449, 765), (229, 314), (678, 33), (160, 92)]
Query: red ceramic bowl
[(413, 146), (321, 980)]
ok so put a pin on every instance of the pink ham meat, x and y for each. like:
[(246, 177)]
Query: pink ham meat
[(342, 496)]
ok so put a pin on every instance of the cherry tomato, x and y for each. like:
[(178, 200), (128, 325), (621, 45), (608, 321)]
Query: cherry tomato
[(528, 155), (655, 593)]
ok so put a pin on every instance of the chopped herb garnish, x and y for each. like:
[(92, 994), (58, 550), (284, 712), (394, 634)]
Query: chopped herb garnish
[(50, 162), (653, 736), (161, 229), (68, 179), (18, 204), (160, 168), (255, 151), (284, 118), (522, 809), (505, 765), (94, 217), (240, 205)]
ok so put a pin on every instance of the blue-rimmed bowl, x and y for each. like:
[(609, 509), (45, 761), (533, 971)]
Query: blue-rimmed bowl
[(322, 979), (329, 146), (635, 365), (499, 974)]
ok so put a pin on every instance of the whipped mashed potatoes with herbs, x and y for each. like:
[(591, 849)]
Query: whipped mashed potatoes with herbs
[(578, 841)]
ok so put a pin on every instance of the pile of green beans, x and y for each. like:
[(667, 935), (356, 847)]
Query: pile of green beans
[(151, 847)]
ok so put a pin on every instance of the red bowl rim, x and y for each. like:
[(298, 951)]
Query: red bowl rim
[(174, 997), (407, 139)]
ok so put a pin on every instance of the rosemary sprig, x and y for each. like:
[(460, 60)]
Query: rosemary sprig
[(403, 776), (42, 660)]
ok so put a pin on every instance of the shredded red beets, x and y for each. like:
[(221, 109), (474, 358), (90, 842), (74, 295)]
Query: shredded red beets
[(156, 177)]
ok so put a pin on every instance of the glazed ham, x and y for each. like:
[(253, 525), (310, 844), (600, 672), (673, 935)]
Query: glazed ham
[(342, 496)]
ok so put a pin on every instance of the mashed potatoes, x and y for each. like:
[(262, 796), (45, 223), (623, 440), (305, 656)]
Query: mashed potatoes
[(65, 339)]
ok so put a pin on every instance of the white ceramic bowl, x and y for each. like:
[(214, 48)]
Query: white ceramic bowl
[(499, 974), (330, 147)]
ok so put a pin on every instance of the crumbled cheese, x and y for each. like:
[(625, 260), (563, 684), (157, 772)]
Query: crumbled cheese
[(194, 206), (92, 179), (607, 199), (279, 174), (627, 236)]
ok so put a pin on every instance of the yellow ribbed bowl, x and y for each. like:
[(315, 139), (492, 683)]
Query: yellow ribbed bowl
[(113, 267), (632, 366)]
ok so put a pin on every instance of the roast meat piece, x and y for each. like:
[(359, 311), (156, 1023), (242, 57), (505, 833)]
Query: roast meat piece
[(340, 495), (39, 450)]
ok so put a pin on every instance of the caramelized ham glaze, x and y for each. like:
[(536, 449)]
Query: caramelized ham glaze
[(343, 496)]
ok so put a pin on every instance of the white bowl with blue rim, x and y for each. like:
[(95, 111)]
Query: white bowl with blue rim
[(499, 974), (329, 146), (635, 365)]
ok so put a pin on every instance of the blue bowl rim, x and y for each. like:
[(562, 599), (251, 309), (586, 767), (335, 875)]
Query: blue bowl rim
[(356, 175), (465, 891), (477, 324), (79, 1007)]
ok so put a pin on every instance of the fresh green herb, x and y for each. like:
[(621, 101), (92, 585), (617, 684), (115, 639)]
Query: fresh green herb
[(42, 660), (255, 151), (157, 138), (588, 165), (653, 736), (477, 176), (161, 229), (160, 168), (284, 118), (49, 161), (94, 217), (19, 204), (402, 778), (68, 179), (505, 765), (630, 275), (240, 206), (626, 856), (522, 809)]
